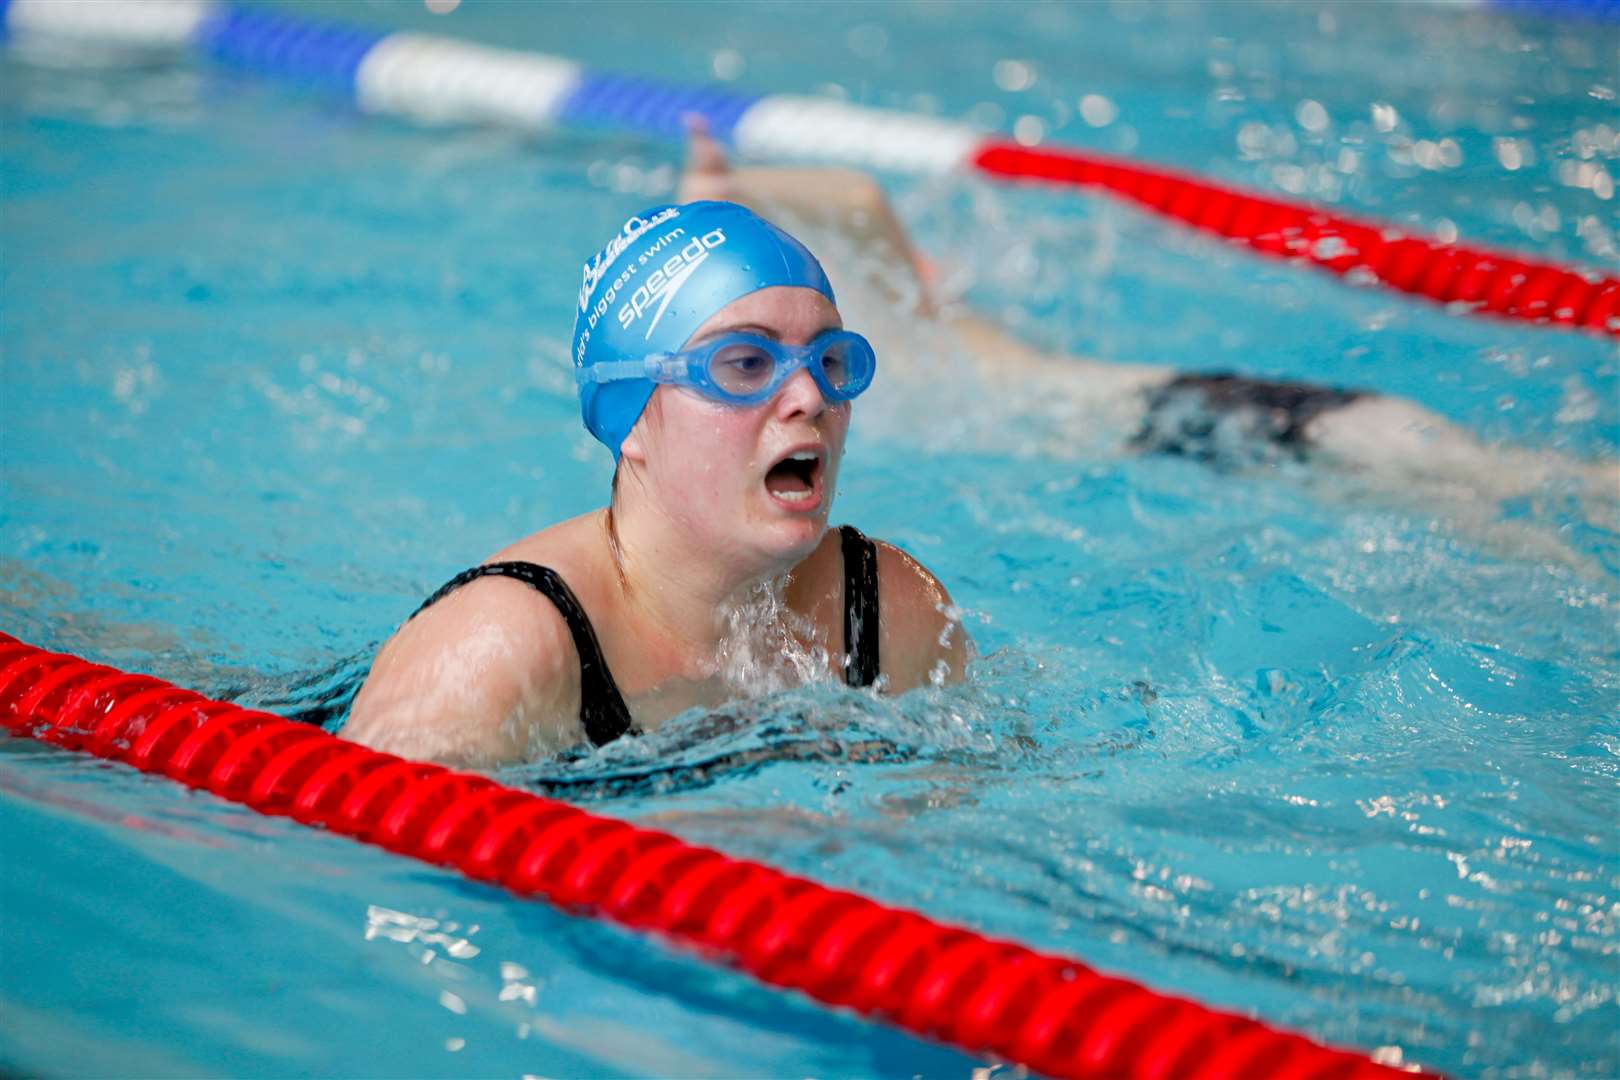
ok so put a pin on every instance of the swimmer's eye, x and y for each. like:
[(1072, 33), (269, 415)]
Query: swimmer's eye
[(835, 364), (741, 369)]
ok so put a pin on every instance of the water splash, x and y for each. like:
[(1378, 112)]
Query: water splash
[(767, 646)]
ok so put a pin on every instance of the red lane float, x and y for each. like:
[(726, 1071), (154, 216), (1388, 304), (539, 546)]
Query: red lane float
[(1050, 1013), (1473, 279)]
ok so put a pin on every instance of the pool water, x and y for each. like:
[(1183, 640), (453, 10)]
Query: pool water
[(274, 370)]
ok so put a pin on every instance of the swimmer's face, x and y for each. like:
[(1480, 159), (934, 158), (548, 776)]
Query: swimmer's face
[(756, 480)]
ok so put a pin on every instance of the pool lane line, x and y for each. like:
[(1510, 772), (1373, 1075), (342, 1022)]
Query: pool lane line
[(442, 80), (1473, 280), (1576, 11), (1572, 10), (985, 996)]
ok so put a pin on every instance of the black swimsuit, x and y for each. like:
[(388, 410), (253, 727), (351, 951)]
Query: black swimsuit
[(1231, 421), (601, 707)]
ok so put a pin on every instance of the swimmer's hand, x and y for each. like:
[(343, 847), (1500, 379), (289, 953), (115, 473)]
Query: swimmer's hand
[(708, 173)]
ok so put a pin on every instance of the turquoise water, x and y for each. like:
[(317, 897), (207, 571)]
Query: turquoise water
[(274, 370)]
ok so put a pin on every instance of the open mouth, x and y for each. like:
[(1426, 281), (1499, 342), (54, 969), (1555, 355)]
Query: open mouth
[(795, 481)]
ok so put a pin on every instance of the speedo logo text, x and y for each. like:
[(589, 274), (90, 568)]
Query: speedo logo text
[(664, 282)]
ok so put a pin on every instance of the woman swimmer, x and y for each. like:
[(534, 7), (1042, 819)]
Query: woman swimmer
[(712, 361)]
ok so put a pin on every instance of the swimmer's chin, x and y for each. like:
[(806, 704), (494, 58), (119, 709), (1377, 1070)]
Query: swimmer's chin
[(790, 534), (795, 536)]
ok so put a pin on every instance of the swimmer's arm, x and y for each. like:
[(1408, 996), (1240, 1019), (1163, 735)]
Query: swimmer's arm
[(853, 203), (487, 676), (921, 639), (848, 201), (998, 355)]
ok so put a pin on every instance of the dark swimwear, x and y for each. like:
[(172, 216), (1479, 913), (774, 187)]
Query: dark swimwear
[(1229, 421), (601, 707)]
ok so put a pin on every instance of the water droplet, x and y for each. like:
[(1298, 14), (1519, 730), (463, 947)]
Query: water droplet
[(1014, 76), (1311, 115), (1098, 111)]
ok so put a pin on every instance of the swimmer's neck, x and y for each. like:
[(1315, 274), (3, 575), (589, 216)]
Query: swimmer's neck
[(682, 588)]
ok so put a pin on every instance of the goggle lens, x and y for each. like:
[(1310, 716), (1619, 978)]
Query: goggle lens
[(742, 369), (835, 364)]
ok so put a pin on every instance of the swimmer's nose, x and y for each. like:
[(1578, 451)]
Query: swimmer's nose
[(800, 396)]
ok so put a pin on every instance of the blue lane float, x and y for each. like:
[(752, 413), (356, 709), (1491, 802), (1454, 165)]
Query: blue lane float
[(1591, 10), (270, 43), (602, 100)]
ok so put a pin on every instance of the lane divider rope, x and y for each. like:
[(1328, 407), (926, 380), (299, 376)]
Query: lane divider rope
[(1044, 1011), (1469, 279), (1577, 10), (441, 80)]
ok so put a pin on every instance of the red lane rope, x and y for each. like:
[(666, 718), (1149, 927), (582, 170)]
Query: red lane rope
[(1471, 279), (1052, 1014)]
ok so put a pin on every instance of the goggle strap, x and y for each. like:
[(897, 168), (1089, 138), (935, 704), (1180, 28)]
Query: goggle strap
[(616, 370)]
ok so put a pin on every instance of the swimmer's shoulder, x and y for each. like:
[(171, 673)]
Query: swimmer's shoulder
[(575, 549), (922, 640), (488, 673)]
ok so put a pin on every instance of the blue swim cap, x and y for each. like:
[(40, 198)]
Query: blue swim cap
[(667, 271)]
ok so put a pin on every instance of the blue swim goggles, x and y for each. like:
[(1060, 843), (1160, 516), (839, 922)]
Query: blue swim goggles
[(746, 369)]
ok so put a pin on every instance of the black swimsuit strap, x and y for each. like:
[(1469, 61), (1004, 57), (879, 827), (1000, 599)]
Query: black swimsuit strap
[(860, 607), (601, 706)]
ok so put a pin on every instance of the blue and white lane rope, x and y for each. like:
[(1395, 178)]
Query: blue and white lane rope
[(442, 80)]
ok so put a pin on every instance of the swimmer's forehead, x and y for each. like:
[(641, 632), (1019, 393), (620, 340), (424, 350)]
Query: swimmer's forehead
[(782, 313)]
